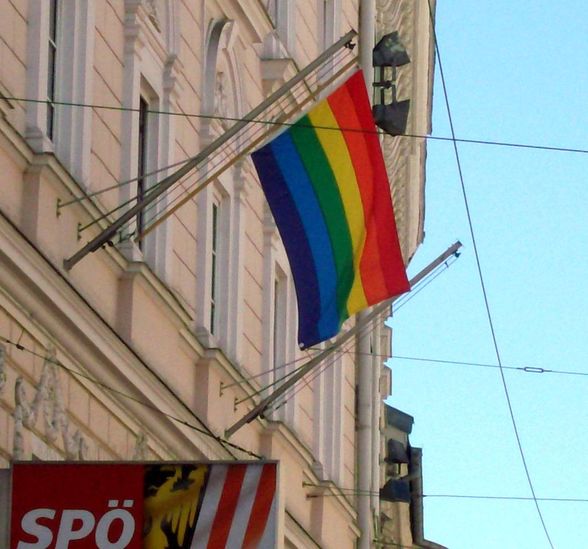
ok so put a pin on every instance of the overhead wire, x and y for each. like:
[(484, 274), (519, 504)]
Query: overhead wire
[(233, 150), (489, 142), (421, 285), (526, 369), (58, 363), (247, 379), (250, 146), (507, 498), (363, 331), (404, 299), (306, 380), (120, 184), (482, 281), (276, 381), (344, 492)]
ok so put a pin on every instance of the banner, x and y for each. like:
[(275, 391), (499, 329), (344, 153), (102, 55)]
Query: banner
[(152, 506), (326, 183)]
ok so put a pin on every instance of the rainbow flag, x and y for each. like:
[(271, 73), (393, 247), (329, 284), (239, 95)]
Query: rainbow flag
[(327, 187)]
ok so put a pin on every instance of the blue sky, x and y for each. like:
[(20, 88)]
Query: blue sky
[(515, 72)]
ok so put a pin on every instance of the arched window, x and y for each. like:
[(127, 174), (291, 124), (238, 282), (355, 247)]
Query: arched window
[(147, 136), (220, 206)]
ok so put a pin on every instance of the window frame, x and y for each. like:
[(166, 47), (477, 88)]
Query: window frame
[(52, 78)]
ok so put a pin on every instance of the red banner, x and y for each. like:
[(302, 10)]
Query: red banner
[(120, 506)]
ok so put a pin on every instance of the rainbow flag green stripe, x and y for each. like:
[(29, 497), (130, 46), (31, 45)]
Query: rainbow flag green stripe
[(329, 198), (327, 186)]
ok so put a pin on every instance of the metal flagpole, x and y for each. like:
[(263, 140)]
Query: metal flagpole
[(247, 150), (377, 310), (167, 182)]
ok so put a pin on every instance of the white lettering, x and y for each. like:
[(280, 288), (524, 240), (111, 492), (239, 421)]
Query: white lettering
[(30, 526), (67, 532), (103, 528)]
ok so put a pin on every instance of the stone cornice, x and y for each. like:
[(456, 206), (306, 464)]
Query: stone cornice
[(52, 301)]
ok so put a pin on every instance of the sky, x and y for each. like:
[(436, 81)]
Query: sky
[(515, 72)]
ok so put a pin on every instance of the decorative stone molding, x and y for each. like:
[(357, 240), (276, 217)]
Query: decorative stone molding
[(153, 13), (48, 399), (222, 91), (2, 368), (221, 109), (141, 448)]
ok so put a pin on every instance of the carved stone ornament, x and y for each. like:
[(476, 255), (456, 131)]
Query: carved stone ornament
[(141, 448), (153, 13), (49, 400), (221, 106)]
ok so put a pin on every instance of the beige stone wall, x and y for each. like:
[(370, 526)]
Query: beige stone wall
[(114, 359)]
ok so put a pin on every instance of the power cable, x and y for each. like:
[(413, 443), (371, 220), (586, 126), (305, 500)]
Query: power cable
[(120, 184), (488, 142), (272, 383), (246, 379), (330, 361), (501, 144), (424, 283), (481, 278), (344, 492), (527, 369), (227, 155), (361, 333), (306, 381), (220, 440), (507, 498)]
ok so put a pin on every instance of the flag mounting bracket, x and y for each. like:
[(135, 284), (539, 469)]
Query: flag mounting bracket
[(377, 310), (104, 236)]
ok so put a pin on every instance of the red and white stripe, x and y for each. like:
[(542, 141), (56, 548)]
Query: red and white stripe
[(239, 508)]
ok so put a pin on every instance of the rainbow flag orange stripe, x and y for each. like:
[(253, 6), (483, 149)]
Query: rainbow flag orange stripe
[(327, 187)]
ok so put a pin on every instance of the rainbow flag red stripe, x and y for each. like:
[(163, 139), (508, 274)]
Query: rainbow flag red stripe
[(327, 187)]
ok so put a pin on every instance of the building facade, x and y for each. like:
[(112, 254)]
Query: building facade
[(151, 348)]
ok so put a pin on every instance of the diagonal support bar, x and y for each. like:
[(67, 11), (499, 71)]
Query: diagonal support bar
[(170, 180), (313, 362)]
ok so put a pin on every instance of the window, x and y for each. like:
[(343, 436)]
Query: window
[(149, 86), (214, 266), (60, 51), (329, 417), (143, 140), (221, 224), (280, 320), (281, 13), (328, 29), (51, 67), (217, 252), (147, 162)]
